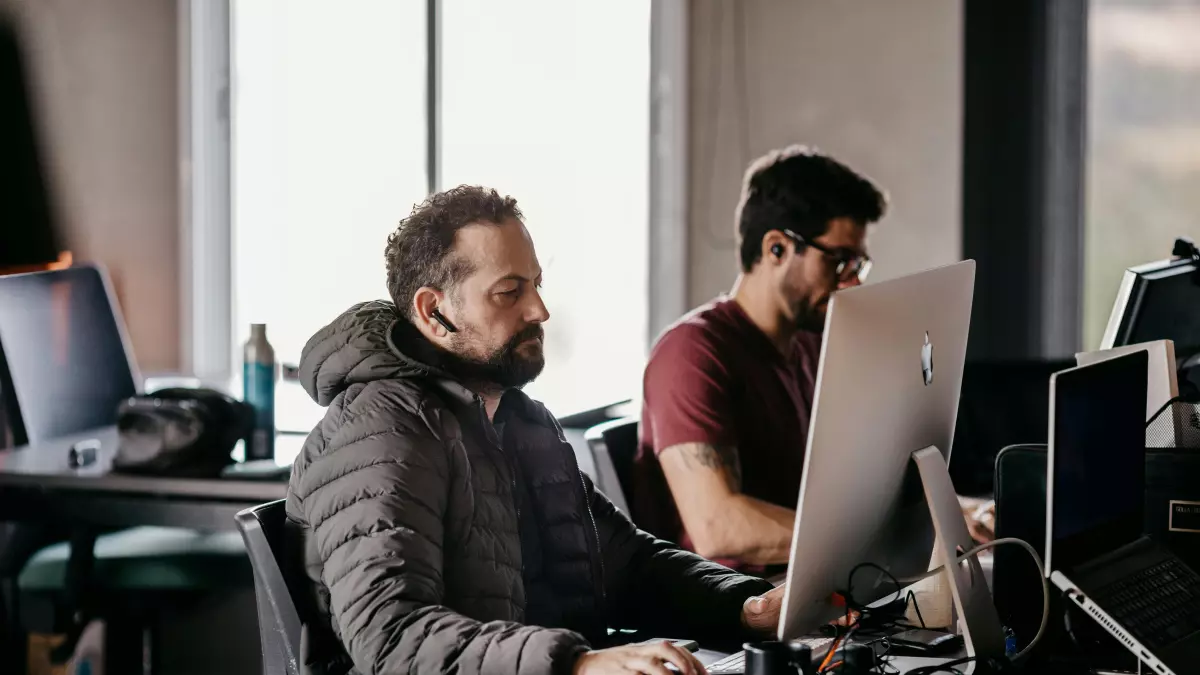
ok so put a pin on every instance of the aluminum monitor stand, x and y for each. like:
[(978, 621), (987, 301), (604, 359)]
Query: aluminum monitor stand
[(982, 633)]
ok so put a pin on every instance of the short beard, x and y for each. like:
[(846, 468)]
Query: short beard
[(504, 368), (811, 319)]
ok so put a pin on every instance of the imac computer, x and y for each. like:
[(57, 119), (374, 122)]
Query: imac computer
[(875, 487), (1161, 301)]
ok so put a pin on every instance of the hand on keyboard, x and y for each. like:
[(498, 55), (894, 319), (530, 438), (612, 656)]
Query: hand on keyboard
[(644, 659), (761, 613)]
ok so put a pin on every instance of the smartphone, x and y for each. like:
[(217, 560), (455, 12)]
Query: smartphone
[(926, 641)]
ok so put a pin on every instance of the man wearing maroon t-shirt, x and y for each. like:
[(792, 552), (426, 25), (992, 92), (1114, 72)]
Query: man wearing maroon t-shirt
[(728, 388)]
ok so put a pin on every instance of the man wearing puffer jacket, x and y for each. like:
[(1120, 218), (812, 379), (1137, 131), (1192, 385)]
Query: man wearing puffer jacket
[(444, 523)]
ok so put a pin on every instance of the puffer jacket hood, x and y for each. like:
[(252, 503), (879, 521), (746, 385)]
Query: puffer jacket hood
[(360, 346)]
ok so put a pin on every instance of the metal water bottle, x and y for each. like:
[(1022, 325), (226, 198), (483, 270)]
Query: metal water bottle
[(258, 389)]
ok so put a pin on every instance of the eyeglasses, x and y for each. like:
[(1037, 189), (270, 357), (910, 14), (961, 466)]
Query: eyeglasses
[(849, 265)]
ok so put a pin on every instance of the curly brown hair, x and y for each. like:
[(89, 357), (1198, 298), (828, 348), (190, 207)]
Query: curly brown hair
[(420, 251)]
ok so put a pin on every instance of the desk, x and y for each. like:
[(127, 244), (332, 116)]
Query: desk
[(37, 484)]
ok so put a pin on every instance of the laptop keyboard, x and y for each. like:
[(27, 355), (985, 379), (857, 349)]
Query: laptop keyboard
[(1158, 605), (736, 663)]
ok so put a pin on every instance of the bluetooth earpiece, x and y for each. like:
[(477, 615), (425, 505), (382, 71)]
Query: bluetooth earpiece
[(437, 316), (777, 250)]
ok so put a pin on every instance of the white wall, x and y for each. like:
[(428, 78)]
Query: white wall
[(877, 85), (105, 82)]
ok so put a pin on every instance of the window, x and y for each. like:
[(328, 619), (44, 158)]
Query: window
[(538, 102), (328, 154), (1144, 142), (330, 151)]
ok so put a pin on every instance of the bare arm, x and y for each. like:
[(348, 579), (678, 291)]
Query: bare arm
[(705, 481)]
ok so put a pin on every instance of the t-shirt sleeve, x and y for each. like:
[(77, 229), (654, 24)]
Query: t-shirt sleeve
[(687, 391)]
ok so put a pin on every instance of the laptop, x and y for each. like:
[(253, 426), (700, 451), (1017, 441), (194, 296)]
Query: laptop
[(1096, 552), (65, 360)]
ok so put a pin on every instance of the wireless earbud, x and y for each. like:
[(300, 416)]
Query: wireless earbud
[(437, 316), (777, 250)]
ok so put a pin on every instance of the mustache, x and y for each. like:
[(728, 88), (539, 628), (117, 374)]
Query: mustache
[(528, 333)]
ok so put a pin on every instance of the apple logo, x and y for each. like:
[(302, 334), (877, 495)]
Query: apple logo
[(927, 360)]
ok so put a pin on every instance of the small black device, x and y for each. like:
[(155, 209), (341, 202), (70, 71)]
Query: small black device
[(777, 250), (438, 317), (83, 453), (857, 659), (778, 658), (926, 641)]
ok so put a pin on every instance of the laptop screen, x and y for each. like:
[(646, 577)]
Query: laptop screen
[(1097, 456), (64, 358)]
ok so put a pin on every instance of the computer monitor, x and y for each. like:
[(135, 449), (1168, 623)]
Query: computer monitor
[(65, 361), (887, 386), (1161, 301), (1097, 459)]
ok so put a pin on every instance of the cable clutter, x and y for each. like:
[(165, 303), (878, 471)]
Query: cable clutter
[(863, 639)]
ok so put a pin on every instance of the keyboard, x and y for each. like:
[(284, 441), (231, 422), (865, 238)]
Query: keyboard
[(736, 663), (1158, 605)]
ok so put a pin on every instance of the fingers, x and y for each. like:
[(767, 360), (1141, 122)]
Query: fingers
[(846, 619), (981, 532), (762, 613), (681, 658), (754, 607), (697, 668), (647, 665)]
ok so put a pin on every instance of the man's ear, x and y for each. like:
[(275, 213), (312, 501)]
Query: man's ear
[(776, 247), (425, 301)]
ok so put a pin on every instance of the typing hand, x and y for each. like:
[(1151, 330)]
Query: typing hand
[(981, 518), (644, 659), (761, 613)]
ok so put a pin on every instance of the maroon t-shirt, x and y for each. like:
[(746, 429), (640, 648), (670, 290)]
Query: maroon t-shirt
[(714, 377)]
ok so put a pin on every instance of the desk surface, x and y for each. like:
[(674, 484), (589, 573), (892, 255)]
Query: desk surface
[(44, 465), (37, 483), (902, 664)]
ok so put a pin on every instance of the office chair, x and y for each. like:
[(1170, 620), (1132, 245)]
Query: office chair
[(614, 446), (262, 530)]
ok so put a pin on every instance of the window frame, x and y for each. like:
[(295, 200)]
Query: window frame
[(206, 174)]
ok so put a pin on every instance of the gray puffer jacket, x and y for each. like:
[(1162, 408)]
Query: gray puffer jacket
[(431, 546)]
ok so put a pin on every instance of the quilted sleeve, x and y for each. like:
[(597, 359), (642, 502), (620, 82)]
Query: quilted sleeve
[(656, 587), (376, 506)]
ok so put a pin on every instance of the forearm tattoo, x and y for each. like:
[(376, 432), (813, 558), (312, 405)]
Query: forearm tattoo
[(696, 455)]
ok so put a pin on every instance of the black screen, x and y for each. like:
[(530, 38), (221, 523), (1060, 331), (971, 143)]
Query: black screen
[(1098, 458), (1163, 305), (65, 358)]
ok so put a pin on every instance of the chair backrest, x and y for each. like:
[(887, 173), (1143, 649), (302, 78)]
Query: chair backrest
[(614, 446), (262, 528)]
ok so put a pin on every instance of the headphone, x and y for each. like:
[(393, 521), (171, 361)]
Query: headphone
[(777, 250), (438, 317)]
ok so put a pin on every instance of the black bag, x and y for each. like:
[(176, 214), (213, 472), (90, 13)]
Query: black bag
[(179, 432), (1173, 477)]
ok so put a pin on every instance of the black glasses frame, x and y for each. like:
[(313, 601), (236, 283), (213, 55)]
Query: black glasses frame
[(848, 266)]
